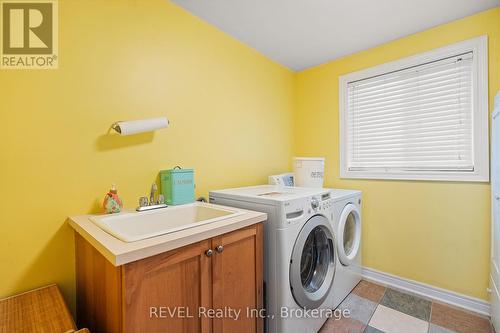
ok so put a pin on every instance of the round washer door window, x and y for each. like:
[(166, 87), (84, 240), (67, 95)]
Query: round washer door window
[(312, 266), (349, 234)]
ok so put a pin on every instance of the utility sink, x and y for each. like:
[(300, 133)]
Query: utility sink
[(135, 226)]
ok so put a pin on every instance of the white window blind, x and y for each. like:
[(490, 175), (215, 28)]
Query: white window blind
[(417, 118)]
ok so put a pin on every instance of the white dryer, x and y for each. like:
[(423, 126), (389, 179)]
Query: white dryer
[(299, 252), (347, 228)]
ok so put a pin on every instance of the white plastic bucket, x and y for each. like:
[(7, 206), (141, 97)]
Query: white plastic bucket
[(309, 171)]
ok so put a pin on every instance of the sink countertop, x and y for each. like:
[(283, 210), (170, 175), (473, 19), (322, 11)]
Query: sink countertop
[(119, 252)]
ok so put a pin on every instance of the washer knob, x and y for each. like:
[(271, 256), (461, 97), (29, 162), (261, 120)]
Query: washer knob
[(314, 203)]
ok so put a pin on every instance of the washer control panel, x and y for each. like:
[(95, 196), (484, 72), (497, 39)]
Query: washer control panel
[(326, 204), (321, 203), (295, 210), (314, 203)]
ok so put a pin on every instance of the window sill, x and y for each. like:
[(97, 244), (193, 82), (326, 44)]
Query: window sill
[(424, 176)]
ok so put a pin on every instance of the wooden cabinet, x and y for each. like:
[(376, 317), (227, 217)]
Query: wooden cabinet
[(172, 284), (237, 279), (183, 290)]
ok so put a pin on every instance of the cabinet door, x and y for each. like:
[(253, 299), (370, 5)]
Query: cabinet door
[(237, 279), (164, 293)]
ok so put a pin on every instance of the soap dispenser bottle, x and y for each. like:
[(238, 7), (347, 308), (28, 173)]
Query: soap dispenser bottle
[(112, 202)]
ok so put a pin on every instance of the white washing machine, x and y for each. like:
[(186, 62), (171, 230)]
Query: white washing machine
[(347, 228), (299, 252)]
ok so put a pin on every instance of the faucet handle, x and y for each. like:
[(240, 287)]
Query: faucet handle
[(143, 201), (161, 199)]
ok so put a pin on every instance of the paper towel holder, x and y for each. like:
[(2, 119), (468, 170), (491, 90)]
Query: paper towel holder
[(116, 126), (139, 126)]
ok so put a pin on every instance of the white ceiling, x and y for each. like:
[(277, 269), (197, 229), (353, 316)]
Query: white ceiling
[(305, 33)]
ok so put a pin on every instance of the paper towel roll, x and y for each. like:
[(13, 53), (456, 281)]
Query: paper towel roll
[(140, 126)]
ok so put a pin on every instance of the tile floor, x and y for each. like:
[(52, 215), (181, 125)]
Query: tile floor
[(377, 309)]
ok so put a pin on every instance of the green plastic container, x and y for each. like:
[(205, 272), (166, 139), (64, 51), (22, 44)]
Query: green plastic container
[(177, 186)]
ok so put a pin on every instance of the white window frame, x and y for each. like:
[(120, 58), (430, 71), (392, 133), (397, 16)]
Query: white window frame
[(479, 47)]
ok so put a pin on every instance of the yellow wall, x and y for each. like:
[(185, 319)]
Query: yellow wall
[(432, 232), (230, 110)]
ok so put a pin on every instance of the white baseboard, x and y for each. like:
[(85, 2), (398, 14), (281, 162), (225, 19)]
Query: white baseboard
[(442, 295)]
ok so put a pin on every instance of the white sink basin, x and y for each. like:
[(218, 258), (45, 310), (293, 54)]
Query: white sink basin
[(134, 226)]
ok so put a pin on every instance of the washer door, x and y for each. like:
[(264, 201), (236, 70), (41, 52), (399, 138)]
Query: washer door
[(349, 234), (312, 266)]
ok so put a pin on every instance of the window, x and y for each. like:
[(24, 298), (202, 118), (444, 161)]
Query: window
[(423, 117)]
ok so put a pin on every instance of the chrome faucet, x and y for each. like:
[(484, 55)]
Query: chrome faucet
[(145, 204), (154, 189)]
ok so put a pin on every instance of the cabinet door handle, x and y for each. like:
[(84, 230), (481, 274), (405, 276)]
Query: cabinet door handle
[(209, 252), (219, 248)]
